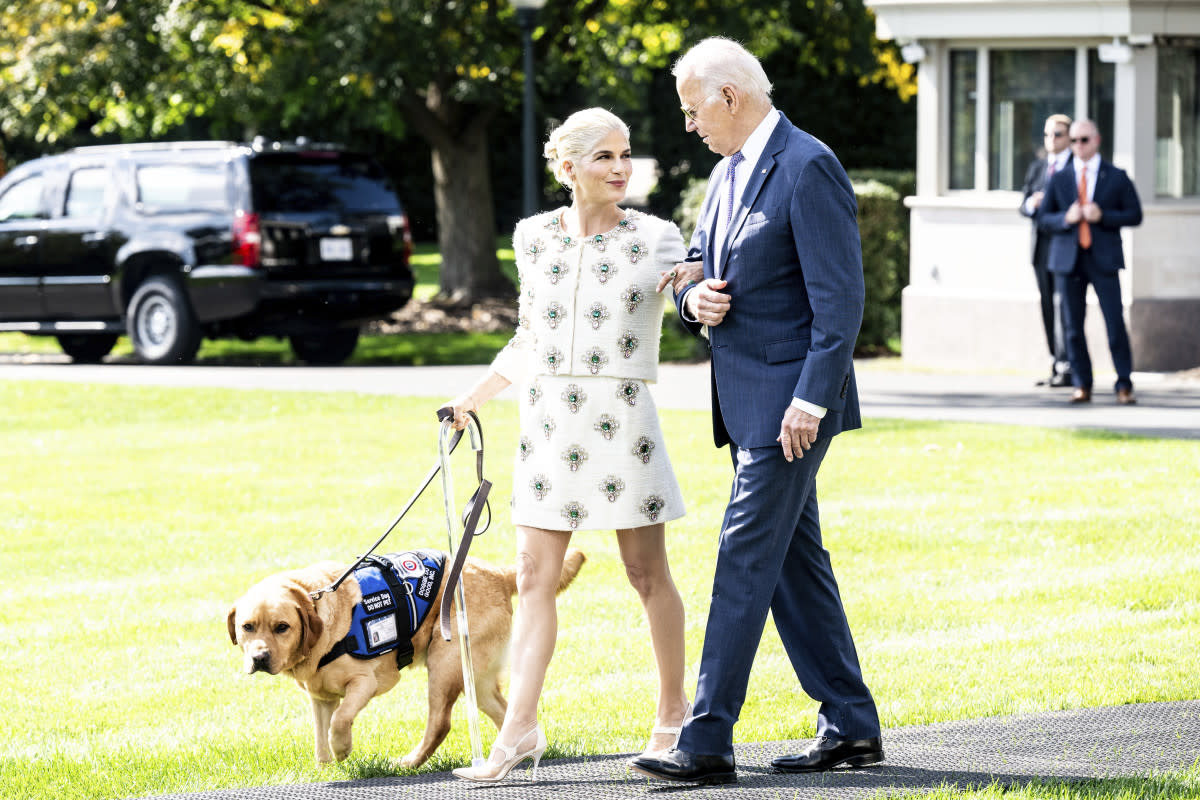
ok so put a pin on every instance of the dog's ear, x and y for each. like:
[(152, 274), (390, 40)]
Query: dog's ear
[(233, 625), (311, 624)]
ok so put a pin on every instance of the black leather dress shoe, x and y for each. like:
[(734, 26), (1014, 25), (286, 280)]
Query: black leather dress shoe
[(679, 765), (826, 753)]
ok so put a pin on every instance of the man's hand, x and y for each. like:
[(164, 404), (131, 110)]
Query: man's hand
[(1074, 213), (685, 274), (1035, 199), (1092, 213), (797, 432), (707, 304)]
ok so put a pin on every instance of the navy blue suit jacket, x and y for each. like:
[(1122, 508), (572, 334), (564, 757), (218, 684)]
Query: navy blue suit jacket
[(794, 267), (1119, 205)]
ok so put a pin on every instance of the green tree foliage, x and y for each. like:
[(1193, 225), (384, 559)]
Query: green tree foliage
[(434, 82)]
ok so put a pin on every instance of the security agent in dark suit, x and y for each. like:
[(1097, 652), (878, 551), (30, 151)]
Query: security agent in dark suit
[(782, 298), (1084, 208), (1058, 151)]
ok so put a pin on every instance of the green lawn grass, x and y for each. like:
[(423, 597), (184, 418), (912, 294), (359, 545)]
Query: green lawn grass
[(986, 570)]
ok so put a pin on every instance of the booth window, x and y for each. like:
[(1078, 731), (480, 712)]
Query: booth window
[(963, 91), (1177, 138), (1026, 87), (1009, 93)]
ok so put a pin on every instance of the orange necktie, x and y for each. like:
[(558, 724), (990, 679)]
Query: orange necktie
[(1085, 230)]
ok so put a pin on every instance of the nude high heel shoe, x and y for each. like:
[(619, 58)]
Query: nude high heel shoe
[(668, 730), (494, 773)]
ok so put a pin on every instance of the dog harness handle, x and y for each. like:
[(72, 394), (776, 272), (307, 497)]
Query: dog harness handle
[(442, 415)]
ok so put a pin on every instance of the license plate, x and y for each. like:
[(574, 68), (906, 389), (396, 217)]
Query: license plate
[(336, 249)]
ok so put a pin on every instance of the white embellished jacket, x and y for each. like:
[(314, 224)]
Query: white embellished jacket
[(587, 304)]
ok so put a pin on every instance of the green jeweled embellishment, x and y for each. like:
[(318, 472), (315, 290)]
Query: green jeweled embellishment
[(652, 506), (535, 393), (574, 456), (548, 427), (631, 297), (606, 426), (627, 344), (634, 249), (574, 513), (594, 359), (643, 449), (553, 359), (566, 243), (628, 391), (524, 447), (554, 314), (597, 314), (540, 485), (535, 249), (573, 396), (603, 271), (557, 270), (628, 223), (611, 487)]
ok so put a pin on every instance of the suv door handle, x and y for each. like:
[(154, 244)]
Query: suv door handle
[(25, 242), (94, 238)]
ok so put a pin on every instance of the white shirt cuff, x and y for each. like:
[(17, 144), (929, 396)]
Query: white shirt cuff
[(804, 405)]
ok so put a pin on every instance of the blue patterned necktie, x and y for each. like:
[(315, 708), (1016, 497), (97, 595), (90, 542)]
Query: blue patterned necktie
[(730, 174)]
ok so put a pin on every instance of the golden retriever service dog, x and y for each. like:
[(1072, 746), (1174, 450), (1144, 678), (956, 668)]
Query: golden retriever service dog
[(281, 630)]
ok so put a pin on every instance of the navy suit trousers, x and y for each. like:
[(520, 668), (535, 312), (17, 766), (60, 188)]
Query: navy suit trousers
[(1073, 288), (771, 557)]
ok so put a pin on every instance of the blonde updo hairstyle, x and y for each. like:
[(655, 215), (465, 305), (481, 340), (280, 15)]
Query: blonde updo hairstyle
[(576, 137)]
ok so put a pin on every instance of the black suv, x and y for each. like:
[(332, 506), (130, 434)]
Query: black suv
[(171, 243)]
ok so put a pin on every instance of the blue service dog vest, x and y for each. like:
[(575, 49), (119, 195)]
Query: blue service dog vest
[(398, 591)]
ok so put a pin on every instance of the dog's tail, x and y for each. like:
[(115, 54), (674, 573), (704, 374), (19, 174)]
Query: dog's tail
[(572, 561)]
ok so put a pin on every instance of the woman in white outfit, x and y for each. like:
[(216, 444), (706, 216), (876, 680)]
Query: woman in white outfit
[(591, 453)]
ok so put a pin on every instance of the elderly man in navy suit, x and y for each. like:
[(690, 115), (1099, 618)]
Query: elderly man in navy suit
[(1085, 206), (782, 299)]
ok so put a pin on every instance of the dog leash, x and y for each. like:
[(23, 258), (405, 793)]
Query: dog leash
[(471, 515)]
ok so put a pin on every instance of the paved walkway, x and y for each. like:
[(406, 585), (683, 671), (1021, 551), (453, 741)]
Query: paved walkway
[(1168, 404), (1092, 744)]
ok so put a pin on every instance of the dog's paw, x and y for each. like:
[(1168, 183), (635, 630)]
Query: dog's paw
[(340, 744), (413, 760)]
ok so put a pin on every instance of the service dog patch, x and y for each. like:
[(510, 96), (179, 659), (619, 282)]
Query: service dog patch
[(397, 592)]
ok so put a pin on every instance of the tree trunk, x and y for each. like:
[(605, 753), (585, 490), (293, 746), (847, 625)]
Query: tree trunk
[(466, 220)]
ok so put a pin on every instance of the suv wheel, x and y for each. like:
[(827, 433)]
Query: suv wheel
[(161, 323), (331, 346), (87, 348)]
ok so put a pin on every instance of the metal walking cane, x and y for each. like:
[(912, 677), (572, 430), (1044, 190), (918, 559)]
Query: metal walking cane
[(447, 438)]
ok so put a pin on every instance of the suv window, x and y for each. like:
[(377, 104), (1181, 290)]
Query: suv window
[(23, 200), (320, 182), (165, 188), (85, 194)]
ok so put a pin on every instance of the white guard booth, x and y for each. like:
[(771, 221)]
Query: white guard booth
[(989, 73)]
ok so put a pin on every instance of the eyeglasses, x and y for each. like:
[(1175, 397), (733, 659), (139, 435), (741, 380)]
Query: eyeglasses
[(1080, 139), (690, 113)]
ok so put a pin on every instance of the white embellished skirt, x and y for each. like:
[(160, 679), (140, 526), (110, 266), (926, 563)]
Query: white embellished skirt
[(591, 456)]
